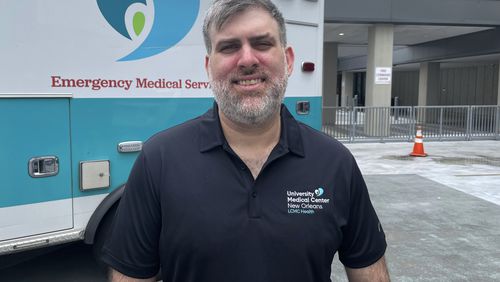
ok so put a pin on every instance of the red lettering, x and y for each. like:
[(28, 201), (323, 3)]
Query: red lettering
[(196, 85), (55, 81)]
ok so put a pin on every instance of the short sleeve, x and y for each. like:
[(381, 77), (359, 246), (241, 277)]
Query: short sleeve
[(363, 237), (132, 248)]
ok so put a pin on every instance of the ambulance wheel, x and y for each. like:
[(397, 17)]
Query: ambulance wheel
[(102, 234)]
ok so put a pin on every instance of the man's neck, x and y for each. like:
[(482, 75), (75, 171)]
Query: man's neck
[(252, 144)]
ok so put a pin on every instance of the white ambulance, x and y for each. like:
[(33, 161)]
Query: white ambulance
[(84, 83)]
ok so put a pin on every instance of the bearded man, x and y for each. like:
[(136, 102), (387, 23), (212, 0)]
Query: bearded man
[(245, 192)]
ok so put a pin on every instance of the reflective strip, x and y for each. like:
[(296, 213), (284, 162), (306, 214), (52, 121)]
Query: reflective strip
[(419, 140), (419, 132), (43, 240)]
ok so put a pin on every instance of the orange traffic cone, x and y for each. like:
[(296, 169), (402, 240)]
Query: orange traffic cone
[(418, 147)]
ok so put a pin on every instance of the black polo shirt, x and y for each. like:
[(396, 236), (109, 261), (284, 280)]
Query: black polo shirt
[(192, 207)]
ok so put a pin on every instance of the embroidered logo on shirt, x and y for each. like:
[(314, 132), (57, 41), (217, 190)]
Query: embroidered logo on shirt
[(319, 192), (306, 202)]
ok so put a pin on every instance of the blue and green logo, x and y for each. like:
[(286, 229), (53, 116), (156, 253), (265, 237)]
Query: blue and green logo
[(172, 20), (319, 192)]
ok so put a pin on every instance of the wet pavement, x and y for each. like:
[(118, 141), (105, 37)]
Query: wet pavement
[(441, 213), (472, 167)]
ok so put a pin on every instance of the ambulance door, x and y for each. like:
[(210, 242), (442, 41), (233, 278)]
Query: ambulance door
[(35, 167)]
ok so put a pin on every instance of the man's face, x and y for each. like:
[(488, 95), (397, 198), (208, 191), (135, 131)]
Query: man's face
[(248, 67)]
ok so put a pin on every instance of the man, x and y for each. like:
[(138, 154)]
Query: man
[(245, 192)]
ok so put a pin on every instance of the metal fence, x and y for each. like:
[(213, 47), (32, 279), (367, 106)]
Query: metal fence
[(385, 124)]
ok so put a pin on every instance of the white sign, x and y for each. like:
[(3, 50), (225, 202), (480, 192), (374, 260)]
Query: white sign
[(383, 75)]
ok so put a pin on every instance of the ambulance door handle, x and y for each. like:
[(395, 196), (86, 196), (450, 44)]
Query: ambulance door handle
[(43, 166)]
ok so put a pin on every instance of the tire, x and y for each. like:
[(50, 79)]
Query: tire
[(103, 232)]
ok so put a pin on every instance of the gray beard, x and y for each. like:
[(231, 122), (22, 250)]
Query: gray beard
[(232, 104)]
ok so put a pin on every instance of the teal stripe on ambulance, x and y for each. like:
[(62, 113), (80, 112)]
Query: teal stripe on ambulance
[(98, 125), (32, 128)]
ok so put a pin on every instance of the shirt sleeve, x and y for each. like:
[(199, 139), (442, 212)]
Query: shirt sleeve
[(132, 248), (363, 237)]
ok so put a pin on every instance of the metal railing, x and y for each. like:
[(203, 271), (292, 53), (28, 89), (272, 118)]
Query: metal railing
[(385, 124)]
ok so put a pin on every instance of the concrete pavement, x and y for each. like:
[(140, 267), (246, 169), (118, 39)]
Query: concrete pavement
[(441, 213), (472, 167)]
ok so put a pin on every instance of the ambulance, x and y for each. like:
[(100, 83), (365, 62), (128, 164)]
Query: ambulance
[(83, 84)]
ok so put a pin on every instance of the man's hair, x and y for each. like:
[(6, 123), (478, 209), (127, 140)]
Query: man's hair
[(221, 10)]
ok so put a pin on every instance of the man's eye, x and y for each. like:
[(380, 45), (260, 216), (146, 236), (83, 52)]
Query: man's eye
[(228, 48), (263, 45)]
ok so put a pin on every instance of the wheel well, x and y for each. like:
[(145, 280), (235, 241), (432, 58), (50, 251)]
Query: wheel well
[(99, 214)]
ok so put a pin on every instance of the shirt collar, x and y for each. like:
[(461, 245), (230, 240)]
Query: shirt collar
[(290, 136), (211, 135)]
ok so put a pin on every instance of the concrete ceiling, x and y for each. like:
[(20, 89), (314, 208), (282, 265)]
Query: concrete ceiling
[(354, 38)]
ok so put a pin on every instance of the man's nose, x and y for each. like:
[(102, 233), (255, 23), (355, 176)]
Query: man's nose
[(248, 57)]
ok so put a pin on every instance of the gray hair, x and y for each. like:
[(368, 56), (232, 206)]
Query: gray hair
[(221, 10)]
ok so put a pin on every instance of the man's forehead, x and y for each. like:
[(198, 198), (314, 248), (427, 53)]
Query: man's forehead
[(258, 30)]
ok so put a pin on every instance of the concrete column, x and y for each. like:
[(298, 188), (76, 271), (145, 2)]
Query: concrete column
[(330, 66), (347, 88), (498, 94), (428, 84), (498, 103), (378, 92), (428, 90), (380, 49)]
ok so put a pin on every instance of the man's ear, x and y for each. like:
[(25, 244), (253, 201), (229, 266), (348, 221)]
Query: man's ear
[(207, 62), (290, 59)]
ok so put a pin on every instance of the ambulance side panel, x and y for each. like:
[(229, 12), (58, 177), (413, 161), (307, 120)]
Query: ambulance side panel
[(31, 128)]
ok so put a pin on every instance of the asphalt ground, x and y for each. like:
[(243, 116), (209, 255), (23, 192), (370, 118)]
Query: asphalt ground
[(73, 262)]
